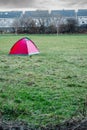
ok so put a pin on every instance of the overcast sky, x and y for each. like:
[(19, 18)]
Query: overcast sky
[(42, 4)]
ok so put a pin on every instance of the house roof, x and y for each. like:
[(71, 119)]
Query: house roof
[(10, 14), (66, 13), (37, 13), (82, 12)]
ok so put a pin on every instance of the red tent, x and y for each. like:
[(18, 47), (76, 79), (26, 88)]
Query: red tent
[(24, 46)]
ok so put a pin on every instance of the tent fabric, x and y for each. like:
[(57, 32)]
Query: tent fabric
[(24, 46)]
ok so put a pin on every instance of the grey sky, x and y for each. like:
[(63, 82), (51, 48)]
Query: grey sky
[(43, 4)]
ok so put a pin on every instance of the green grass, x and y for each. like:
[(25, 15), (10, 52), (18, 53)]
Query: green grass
[(47, 88)]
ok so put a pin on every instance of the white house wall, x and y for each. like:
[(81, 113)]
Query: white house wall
[(6, 22), (82, 20)]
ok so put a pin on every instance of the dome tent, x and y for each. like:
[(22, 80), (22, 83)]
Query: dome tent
[(24, 46)]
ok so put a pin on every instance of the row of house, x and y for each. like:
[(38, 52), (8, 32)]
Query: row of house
[(7, 17)]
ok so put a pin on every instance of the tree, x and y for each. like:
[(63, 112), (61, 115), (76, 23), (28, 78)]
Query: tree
[(23, 24), (51, 29), (55, 20), (16, 24), (70, 26)]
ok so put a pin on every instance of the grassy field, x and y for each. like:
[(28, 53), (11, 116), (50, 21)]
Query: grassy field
[(47, 88)]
